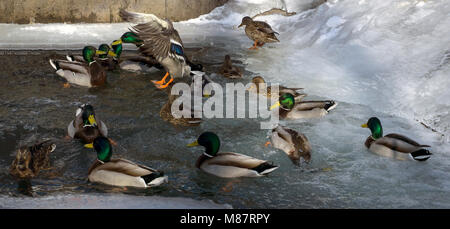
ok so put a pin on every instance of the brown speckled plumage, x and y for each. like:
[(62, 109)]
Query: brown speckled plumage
[(31, 159)]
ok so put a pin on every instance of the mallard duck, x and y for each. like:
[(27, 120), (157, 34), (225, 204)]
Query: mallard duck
[(134, 62), (167, 114), (32, 159), (259, 86), (108, 59), (88, 74), (289, 109), (86, 126), (228, 165), (143, 63), (228, 70), (161, 41), (294, 144), (121, 172), (393, 145), (259, 32)]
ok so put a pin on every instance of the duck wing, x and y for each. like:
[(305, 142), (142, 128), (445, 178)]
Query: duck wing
[(405, 139), (309, 105), (159, 36), (150, 20), (282, 139), (235, 160), (264, 27), (124, 166), (399, 144), (73, 66)]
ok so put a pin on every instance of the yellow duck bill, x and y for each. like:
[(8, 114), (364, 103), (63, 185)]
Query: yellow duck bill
[(100, 52), (275, 105), (364, 125), (111, 53), (92, 120), (193, 144)]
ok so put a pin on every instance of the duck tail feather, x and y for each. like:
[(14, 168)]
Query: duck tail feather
[(152, 176), (265, 168), (421, 155)]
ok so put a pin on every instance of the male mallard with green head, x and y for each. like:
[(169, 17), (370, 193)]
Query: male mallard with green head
[(228, 70), (121, 172), (228, 165), (108, 59), (161, 41), (259, 32), (289, 109), (393, 145), (86, 126), (32, 159), (259, 86), (294, 144), (88, 74)]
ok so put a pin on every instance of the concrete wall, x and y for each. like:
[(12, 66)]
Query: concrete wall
[(99, 11)]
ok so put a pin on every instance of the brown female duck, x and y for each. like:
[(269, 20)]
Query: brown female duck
[(273, 92), (30, 160), (228, 70), (259, 32)]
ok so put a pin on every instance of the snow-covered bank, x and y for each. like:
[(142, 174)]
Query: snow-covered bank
[(390, 55)]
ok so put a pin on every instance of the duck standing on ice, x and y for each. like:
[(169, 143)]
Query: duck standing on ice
[(259, 32)]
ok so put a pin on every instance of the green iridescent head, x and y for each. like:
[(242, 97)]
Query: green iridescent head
[(286, 101), (374, 124), (210, 141), (130, 37), (89, 53), (103, 148), (105, 48)]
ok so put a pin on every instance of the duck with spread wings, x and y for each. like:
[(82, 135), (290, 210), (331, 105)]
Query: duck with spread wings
[(161, 41)]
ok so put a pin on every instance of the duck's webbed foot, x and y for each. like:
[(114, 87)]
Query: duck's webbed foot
[(162, 83), (255, 46)]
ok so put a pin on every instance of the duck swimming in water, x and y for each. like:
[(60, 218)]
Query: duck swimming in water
[(296, 145), (89, 73), (259, 86), (393, 145), (228, 70), (121, 172), (228, 164), (30, 160), (86, 126), (289, 109)]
